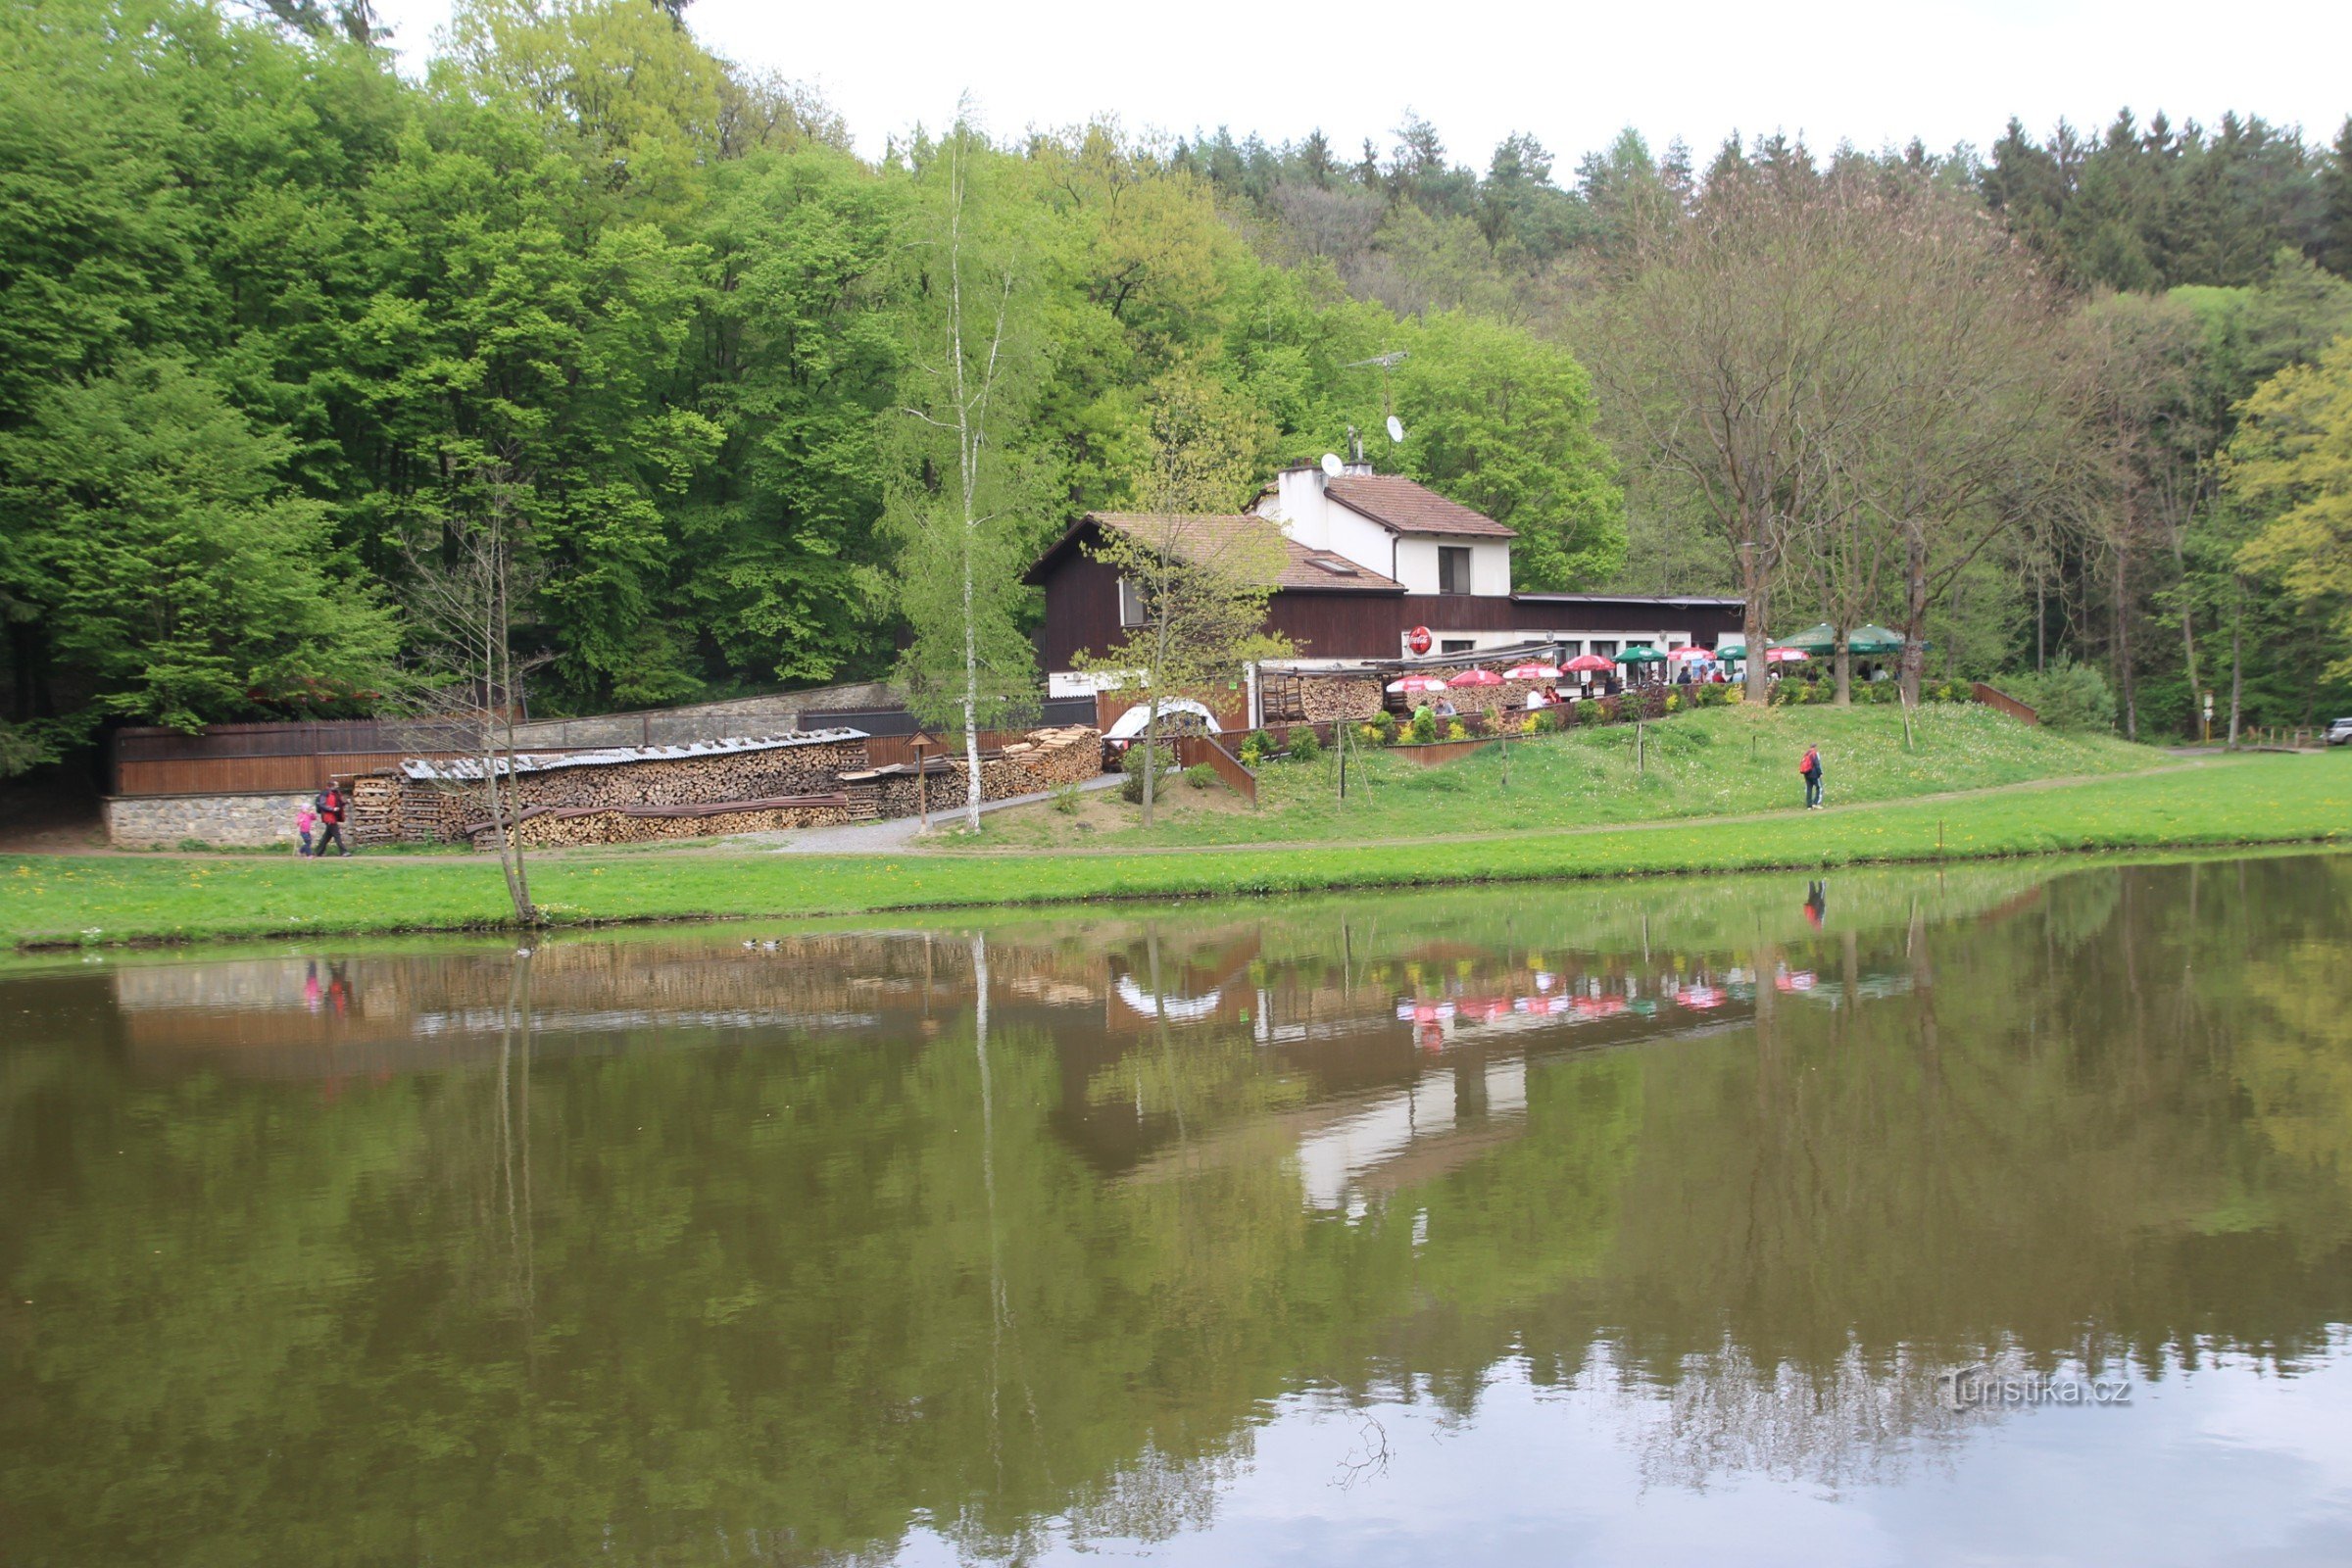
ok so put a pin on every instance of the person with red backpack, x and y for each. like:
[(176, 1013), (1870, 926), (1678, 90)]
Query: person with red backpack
[(330, 808), (1810, 770)]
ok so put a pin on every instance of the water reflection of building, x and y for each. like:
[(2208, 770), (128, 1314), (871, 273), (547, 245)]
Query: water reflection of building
[(1394, 1067)]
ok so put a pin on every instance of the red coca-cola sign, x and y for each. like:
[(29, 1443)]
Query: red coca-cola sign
[(1417, 639)]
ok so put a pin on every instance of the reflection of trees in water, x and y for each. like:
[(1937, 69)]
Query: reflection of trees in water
[(799, 1286), (1849, 1421)]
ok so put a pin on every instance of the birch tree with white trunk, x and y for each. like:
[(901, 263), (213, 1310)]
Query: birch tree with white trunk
[(957, 502)]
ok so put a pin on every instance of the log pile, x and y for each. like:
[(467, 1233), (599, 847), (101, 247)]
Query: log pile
[(555, 827), (1294, 697), (426, 800), (375, 816), (694, 775), (1052, 758), (1046, 759)]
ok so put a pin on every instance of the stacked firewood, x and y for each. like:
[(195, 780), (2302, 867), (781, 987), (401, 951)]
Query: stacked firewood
[(375, 816), (1049, 758), (692, 779), (1321, 700), (1045, 760), (562, 826)]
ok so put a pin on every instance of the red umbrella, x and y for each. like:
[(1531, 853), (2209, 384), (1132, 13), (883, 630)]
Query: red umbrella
[(1785, 656), (1476, 677), (1417, 683), (1531, 672), (1591, 662), (1691, 652)]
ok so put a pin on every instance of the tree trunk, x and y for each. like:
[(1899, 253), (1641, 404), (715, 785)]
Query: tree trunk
[(1914, 609), (1150, 756), (1843, 662), (2041, 628), (972, 687), (2238, 668), (502, 665), (2123, 646), (1751, 588), (2189, 648)]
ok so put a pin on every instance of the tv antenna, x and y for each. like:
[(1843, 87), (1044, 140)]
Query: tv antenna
[(1383, 363)]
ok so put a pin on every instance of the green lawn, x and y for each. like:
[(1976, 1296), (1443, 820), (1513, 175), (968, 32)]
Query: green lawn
[(2255, 799), (1714, 762)]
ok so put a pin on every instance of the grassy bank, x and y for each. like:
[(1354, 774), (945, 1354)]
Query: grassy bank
[(1713, 762), (2264, 800)]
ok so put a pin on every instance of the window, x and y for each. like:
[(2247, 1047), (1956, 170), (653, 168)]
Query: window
[(1571, 648), (1457, 644), (1453, 568), (1131, 604), (1606, 650)]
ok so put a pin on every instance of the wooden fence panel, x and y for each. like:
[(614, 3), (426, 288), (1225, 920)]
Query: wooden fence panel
[(236, 776), (1193, 750), (2002, 702)]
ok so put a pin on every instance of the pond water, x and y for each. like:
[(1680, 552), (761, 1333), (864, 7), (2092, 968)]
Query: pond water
[(1998, 1215)]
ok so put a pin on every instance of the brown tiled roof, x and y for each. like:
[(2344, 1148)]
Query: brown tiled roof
[(1398, 503), (1318, 570)]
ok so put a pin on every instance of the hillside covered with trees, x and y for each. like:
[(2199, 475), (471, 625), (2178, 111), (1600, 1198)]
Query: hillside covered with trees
[(282, 330)]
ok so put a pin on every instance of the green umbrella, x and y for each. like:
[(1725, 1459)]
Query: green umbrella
[(1873, 639), (1640, 654), (1731, 650), (1821, 639)]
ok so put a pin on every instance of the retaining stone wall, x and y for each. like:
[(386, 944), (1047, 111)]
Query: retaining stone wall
[(233, 822)]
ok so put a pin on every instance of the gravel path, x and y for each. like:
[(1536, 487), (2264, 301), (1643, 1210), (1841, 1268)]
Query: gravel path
[(878, 838)]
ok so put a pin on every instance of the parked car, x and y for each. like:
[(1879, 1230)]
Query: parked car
[(2339, 733)]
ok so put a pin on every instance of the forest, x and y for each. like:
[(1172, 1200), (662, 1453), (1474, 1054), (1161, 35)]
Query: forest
[(286, 335)]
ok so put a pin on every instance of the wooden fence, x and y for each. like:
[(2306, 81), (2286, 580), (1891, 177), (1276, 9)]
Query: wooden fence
[(1996, 699), (1193, 750), (235, 758)]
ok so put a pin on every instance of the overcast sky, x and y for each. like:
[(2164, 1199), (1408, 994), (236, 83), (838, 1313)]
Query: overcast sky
[(1872, 71)]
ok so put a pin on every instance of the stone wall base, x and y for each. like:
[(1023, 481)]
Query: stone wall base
[(260, 821)]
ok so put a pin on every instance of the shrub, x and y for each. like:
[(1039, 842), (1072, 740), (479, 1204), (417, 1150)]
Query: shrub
[(1255, 747), (1673, 704), (1066, 798), (1384, 726), (1305, 748), (1131, 788), (1531, 723), (1201, 776), (2067, 696), (1424, 724), (1457, 731)]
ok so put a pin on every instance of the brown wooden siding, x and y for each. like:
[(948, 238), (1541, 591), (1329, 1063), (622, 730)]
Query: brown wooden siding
[(1082, 612)]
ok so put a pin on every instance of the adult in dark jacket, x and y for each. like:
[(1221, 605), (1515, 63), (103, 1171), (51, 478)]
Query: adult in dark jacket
[(331, 810), (1810, 768)]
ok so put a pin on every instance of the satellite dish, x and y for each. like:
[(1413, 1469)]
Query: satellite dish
[(1396, 428), (1333, 467)]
